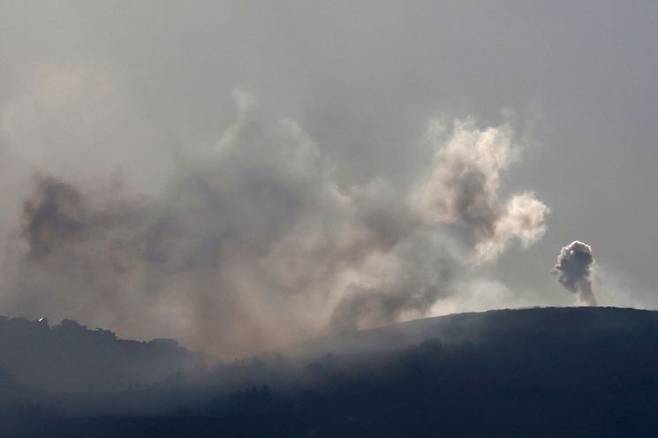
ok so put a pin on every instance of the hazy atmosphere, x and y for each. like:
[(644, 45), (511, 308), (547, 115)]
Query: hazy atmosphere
[(241, 175)]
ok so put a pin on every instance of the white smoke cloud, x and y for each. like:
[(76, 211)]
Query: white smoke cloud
[(463, 190), (251, 242)]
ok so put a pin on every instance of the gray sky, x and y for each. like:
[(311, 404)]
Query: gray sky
[(99, 92)]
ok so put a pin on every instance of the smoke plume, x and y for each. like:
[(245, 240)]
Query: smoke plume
[(462, 189), (253, 242), (574, 270)]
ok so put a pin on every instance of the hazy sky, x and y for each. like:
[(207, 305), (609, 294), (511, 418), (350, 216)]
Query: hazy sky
[(110, 93)]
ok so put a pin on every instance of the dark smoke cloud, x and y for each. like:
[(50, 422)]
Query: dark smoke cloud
[(56, 213), (574, 270), (254, 243)]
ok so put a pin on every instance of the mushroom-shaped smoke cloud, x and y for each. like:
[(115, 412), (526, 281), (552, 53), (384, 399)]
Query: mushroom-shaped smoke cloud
[(574, 270)]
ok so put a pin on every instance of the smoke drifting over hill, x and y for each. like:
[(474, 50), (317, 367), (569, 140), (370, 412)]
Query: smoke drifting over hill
[(154, 211), (254, 240)]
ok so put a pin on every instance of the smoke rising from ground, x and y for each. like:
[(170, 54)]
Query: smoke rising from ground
[(574, 271), (253, 242), (124, 118)]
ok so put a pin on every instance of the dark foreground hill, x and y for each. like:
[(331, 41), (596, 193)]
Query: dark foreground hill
[(70, 357), (533, 372)]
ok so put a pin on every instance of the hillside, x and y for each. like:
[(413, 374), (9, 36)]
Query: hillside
[(489, 326), (69, 357), (530, 372)]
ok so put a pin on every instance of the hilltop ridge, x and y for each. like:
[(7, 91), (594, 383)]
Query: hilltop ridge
[(69, 357)]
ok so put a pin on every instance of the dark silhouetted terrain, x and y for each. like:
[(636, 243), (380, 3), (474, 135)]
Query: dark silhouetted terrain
[(534, 372), (70, 357)]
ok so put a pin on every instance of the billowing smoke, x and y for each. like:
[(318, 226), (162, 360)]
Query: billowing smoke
[(253, 242), (574, 271), (399, 284), (462, 189)]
